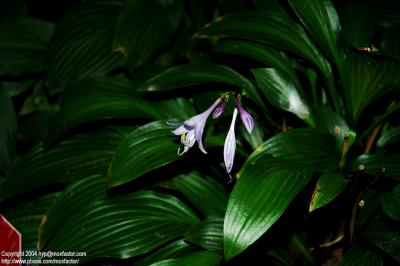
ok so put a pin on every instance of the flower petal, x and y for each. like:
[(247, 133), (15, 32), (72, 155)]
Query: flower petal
[(180, 130), (219, 110), (230, 144), (247, 119), (198, 132)]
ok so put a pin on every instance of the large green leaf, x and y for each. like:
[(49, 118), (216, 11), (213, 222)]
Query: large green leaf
[(391, 203), (264, 190), (73, 159), (139, 36), (8, 130), (200, 258), (367, 78), (322, 21), (22, 45), (208, 234), (82, 44), (376, 164), (391, 42), (388, 138), (283, 92), (145, 149), (303, 147), (273, 28), (205, 193), (118, 227), (328, 187), (93, 99), (358, 255)]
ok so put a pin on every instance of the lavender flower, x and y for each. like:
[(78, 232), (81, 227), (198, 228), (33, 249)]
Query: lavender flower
[(192, 129), (246, 118), (219, 110), (230, 144)]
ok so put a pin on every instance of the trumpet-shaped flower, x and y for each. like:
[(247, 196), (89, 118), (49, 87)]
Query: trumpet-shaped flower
[(192, 129), (230, 144), (246, 117), (219, 110)]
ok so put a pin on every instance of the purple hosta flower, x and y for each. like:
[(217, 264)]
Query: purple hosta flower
[(219, 110), (192, 129), (230, 144), (246, 118)]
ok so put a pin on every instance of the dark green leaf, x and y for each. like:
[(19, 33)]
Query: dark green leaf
[(138, 37), (389, 138), (102, 98), (73, 159), (376, 164), (204, 193), (175, 250), (14, 88), (208, 235), (367, 78), (383, 237), (391, 42), (283, 92), (200, 258), (264, 190), (8, 130), (22, 45), (270, 5), (145, 149), (273, 28), (328, 187), (358, 255), (120, 227), (303, 147), (322, 21), (391, 203), (82, 44)]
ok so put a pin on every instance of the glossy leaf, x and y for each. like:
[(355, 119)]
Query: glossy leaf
[(368, 78), (82, 44), (205, 193), (328, 187), (303, 147), (200, 258), (388, 138), (103, 98), (145, 149), (273, 28), (122, 227), (264, 190), (14, 88), (358, 255), (283, 92), (322, 21), (391, 42), (23, 42), (208, 235), (376, 164), (8, 130), (138, 37), (391, 203), (73, 159)]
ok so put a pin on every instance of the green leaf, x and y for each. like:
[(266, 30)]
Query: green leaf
[(22, 45), (269, 5), (391, 203), (388, 138), (376, 164), (322, 21), (200, 258), (358, 255), (145, 149), (391, 42), (205, 193), (264, 190), (82, 44), (138, 37), (27, 216), (383, 237), (8, 130), (120, 227), (73, 159), (283, 92), (175, 250), (102, 98), (15, 88), (328, 187), (273, 28), (368, 77), (303, 147), (208, 235)]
